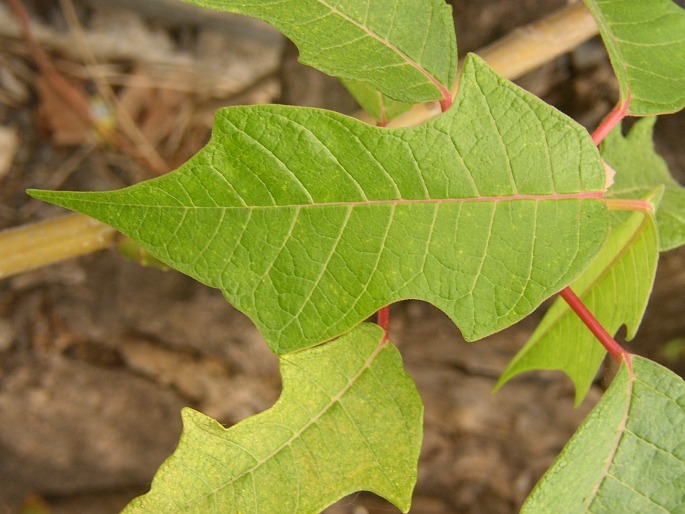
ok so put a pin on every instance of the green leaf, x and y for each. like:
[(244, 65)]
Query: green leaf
[(628, 456), (406, 49), (639, 170), (646, 45), (382, 108), (615, 288), (310, 221), (349, 419), (133, 251)]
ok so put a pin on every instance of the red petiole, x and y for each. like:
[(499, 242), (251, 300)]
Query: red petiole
[(614, 118), (384, 321), (614, 349)]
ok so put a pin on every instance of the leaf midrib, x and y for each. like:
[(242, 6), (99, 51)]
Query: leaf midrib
[(592, 195)]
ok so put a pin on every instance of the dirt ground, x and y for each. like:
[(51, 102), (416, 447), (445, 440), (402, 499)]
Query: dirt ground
[(99, 354)]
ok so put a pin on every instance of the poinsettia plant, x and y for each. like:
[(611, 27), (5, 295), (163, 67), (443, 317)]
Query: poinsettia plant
[(310, 221)]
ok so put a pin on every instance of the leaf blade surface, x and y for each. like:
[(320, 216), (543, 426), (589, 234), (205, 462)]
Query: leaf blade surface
[(406, 48), (646, 44), (379, 106), (349, 419), (310, 221), (628, 455)]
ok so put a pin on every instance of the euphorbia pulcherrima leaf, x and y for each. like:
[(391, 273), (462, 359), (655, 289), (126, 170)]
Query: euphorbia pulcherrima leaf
[(647, 49), (616, 289), (379, 106), (310, 221), (349, 419), (628, 456), (639, 170), (406, 49)]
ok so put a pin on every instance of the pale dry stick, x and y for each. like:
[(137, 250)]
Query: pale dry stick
[(521, 51), (128, 126), (46, 242)]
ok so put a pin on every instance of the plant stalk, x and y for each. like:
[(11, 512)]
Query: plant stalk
[(517, 53), (46, 242), (613, 118), (614, 349), (384, 321)]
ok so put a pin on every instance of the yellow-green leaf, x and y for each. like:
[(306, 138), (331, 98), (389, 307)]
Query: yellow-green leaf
[(349, 419)]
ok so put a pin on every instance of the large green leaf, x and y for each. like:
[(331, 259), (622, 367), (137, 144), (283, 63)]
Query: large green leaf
[(628, 456), (349, 419), (646, 44), (310, 221), (615, 287), (639, 170), (406, 49)]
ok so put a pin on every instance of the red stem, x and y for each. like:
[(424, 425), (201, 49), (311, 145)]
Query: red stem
[(614, 118), (384, 321), (446, 101), (614, 349)]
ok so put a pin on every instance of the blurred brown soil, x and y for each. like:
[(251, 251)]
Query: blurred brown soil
[(99, 354)]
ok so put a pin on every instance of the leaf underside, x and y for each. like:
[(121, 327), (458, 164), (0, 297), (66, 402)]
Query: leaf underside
[(406, 49), (628, 456), (615, 288), (646, 43), (639, 170), (379, 106), (310, 221), (349, 419)]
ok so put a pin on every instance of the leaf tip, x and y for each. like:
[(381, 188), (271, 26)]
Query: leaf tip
[(37, 193)]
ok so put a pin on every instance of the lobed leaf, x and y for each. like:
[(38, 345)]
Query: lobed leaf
[(639, 170), (406, 49), (310, 221), (349, 419), (615, 288), (646, 45), (628, 455)]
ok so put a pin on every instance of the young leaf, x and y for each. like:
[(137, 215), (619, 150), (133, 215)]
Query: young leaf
[(406, 49), (310, 221), (647, 50), (379, 106), (349, 419), (639, 170), (628, 455), (616, 289)]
